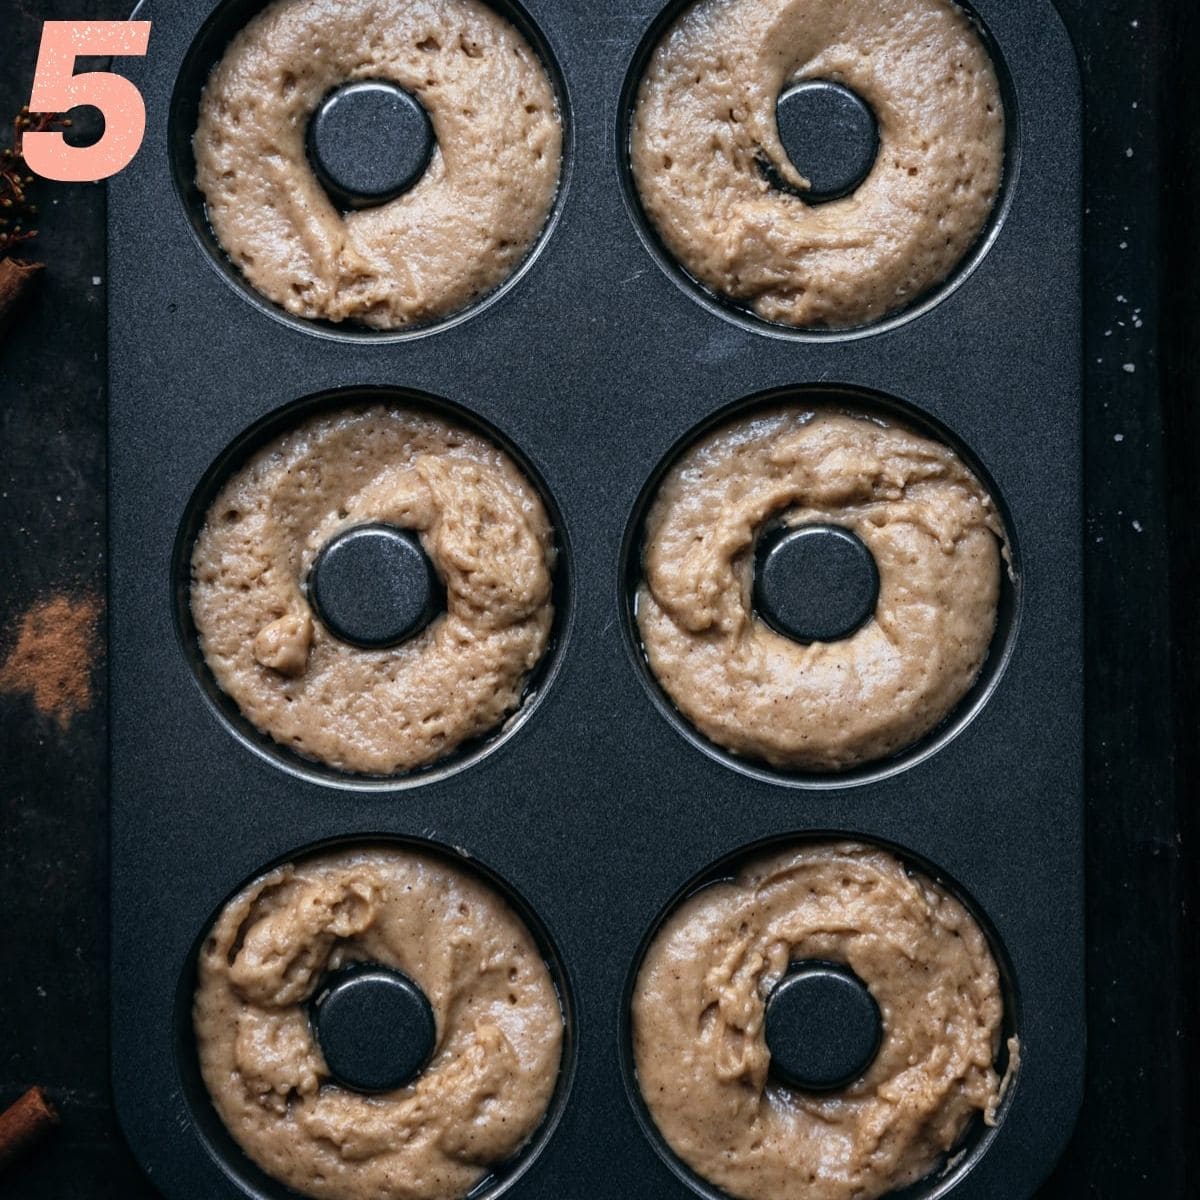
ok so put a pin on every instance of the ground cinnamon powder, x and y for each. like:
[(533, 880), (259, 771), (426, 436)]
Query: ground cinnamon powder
[(52, 657)]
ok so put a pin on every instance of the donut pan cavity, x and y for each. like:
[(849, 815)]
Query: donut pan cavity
[(875, 406), (978, 1138), (731, 310), (208, 41), (249, 1179), (226, 709), (597, 806)]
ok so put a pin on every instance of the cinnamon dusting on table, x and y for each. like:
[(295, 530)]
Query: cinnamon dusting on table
[(52, 655)]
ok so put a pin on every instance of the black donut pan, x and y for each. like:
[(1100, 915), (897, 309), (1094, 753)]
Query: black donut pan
[(596, 808)]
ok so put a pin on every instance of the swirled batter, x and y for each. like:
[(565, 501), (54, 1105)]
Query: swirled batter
[(499, 1026), (700, 1050), (377, 712), (936, 540), (706, 149), (461, 230)]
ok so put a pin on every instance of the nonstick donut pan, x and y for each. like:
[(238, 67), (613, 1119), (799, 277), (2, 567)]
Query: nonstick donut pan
[(597, 807)]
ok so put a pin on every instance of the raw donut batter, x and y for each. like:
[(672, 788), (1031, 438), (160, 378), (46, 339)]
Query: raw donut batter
[(463, 228), (936, 540), (700, 1049), (499, 1026), (705, 128), (378, 712)]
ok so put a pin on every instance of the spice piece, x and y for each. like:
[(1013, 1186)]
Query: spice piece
[(24, 1123), (17, 211), (15, 277), (52, 657)]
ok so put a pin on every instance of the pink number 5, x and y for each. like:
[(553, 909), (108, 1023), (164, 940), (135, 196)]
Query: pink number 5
[(56, 88)]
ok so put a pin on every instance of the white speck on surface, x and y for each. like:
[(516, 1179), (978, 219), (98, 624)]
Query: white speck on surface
[(1118, 437), (1137, 525), (1124, 245), (1128, 151), (1128, 368), (1108, 333), (1121, 299), (96, 281)]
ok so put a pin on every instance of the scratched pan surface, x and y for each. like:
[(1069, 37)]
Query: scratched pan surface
[(597, 807)]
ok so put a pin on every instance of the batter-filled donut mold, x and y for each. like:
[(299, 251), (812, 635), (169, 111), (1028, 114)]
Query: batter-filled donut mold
[(818, 588), (372, 587), (823, 1021), (375, 1020), (372, 164), (821, 165)]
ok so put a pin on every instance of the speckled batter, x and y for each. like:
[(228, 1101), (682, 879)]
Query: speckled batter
[(937, 543), (377, 712), (458, 233), (704, 132), (701, 1054), (499, 1026)]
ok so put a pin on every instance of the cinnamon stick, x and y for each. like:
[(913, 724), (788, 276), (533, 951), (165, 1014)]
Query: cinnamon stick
[(24, 1123), (15, 278)]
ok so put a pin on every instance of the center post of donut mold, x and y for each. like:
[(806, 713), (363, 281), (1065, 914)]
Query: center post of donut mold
[(830, 135), (814, 583), (823, 1027), (375, 1027), (373, 586), (369, 142)]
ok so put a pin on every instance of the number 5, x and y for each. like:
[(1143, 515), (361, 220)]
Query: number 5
[(56, 88)]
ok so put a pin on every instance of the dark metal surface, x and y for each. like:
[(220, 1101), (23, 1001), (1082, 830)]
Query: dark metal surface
[(596, 365), (1141, 748)]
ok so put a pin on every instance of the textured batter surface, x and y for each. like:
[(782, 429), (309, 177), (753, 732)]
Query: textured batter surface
[(499, 1026), (458, 233), (936, 540), (705, 142), (374, 711), (701, 1054)]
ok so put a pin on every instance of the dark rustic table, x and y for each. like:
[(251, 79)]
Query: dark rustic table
[(1135, 1137)]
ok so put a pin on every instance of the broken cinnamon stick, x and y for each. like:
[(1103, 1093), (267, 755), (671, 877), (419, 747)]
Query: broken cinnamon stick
[(15, 278), (24, 1123)]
